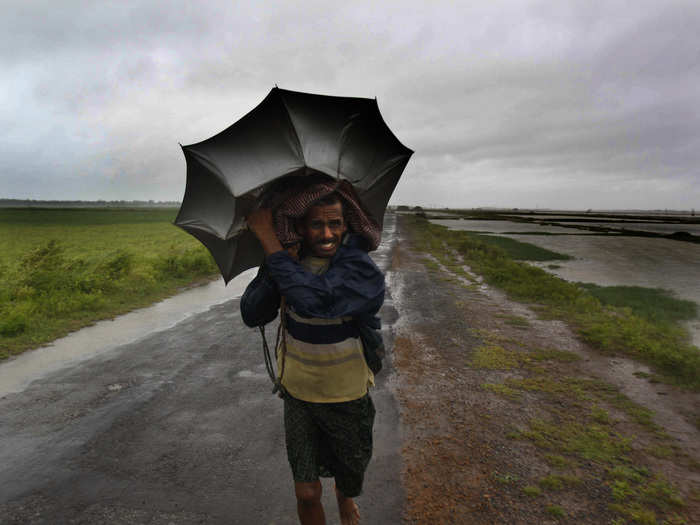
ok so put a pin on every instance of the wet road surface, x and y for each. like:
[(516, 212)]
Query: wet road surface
[(176, 427), (104, 336)]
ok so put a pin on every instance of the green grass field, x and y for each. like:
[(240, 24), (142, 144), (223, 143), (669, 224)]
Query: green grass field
[(61, 269)]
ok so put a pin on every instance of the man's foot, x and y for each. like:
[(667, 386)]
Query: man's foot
[(349, 511)]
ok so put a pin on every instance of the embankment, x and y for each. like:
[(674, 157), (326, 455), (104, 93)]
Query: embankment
[(510, 417)]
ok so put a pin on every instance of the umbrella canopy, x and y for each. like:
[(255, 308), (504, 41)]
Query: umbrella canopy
[(288, 134)]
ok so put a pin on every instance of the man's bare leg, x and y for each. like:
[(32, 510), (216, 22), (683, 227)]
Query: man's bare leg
[(349, 512), (309, 503)]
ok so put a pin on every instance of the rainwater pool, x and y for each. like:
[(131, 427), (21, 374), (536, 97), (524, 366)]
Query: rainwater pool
[(617, 260)]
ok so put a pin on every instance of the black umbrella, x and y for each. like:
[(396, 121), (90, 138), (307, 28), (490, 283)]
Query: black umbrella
[(287, 134)]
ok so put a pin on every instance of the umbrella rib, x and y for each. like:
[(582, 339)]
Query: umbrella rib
[(199, 225), (390, 165), (343, 137), (213, 168), (300, 150)]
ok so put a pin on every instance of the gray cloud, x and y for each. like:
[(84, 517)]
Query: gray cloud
[(507, 103)]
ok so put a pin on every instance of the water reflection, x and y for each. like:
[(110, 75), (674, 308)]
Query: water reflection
[(619, 260), (570, 228), (654, 227), (501, 226)]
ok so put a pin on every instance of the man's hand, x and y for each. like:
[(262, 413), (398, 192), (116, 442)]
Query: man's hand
[(260, 221), (293, 251), (261, 224)]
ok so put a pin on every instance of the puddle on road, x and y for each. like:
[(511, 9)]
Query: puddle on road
[(382, 255), (18, 372)]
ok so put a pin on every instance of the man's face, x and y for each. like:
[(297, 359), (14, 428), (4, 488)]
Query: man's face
[(323, 228)]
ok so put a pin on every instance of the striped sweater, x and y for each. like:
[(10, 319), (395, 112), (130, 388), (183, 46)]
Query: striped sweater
[(323, 361)]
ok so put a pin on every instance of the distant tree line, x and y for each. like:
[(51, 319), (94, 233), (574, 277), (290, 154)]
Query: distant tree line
[(403, 207), (31, 203)]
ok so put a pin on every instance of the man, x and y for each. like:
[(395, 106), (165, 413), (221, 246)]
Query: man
[(330, 287)]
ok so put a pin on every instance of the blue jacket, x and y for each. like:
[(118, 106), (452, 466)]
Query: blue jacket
[(352, 286)]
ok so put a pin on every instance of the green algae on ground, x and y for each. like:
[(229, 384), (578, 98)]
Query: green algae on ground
[(501, 389), (556, 511), (505, 478), (515, 320), (559, 461), (581, 429), (558, 481), (585, 440), (532, 491), (494, 357), (552, 354)]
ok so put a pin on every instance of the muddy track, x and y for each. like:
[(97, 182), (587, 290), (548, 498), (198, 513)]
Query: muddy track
[(477, 374)]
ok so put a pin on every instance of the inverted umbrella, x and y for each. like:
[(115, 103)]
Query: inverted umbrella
[(288, 134)]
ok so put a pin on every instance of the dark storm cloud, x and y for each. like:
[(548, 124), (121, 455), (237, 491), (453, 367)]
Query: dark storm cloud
[(621, 108), (506, 103)]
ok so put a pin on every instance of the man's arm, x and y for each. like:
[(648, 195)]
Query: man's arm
[(261, 300), (352, 285)]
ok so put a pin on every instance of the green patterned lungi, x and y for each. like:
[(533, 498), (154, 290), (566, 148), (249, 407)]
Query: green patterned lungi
[(329, 440)]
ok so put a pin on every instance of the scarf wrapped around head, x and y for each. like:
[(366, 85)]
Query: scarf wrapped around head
[(292, 204)]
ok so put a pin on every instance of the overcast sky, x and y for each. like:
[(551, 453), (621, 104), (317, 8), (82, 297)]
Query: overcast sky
[(570, 104)]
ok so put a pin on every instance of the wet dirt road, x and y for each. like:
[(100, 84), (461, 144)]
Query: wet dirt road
[(177, 427)]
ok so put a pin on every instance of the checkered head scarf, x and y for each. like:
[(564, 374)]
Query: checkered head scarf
[(291, 205)]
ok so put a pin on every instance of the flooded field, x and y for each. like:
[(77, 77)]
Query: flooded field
[(654, 227), (669, 226), (616, 260), (562, 224), (574, 217), (501, 226)]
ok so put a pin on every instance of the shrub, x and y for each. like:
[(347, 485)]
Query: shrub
[(12, 324), (118, 265)]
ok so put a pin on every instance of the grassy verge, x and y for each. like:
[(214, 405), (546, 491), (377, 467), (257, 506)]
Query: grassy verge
[(609, 327), (654, 304), (518, 250), (588, 434), (63, 269)]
